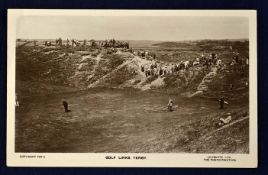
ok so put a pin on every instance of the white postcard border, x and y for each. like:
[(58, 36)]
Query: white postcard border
[(151, 159)]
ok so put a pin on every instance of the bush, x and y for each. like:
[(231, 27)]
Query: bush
[(114, 61)]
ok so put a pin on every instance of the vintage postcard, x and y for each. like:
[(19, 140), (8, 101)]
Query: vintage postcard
[(132, 88)]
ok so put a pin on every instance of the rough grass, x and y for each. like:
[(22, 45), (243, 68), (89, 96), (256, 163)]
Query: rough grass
[(234, 139), (32, 66), (120, 76), (26, 89), (195, 136), (220, 85), (107, 65)]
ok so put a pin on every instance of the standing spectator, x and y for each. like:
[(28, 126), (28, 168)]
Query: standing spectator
[(65, 105)]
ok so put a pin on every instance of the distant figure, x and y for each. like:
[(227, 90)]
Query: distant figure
[(231, 86), (47, 43), (222, 102), (65, 105), (170, 105), (142, 68), (17, 104), (160, 71), (213, 56), (60, 42), (72, 42), (236, 57), (85, 42), (154, 56)]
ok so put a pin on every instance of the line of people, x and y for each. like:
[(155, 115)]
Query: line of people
[(112, 43), (156, 68), (161, 69)]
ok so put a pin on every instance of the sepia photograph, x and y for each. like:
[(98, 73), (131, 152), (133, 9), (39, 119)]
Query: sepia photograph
[(130, 83)]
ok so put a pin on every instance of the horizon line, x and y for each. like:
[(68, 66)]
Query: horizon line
[(138, 39)]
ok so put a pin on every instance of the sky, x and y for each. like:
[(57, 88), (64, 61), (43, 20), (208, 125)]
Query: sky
[(158, 28)]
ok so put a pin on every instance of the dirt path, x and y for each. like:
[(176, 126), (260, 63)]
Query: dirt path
[(97, 58), (141, 75), (207, 79), (203, 84)]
